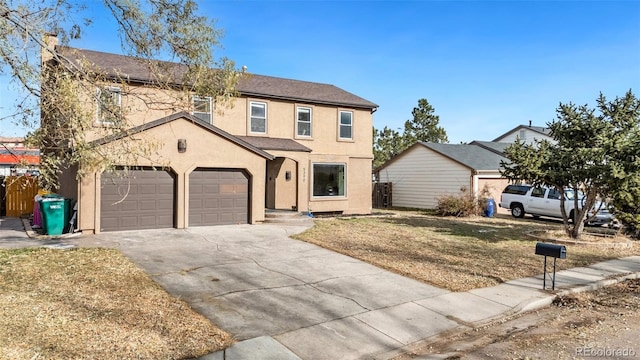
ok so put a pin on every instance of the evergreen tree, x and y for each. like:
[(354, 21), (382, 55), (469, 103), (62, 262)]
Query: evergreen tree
[(597, 152), (388, 143)]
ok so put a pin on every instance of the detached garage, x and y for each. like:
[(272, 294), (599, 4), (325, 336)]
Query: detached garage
[(426, 171), (218, 197), (142, 198)]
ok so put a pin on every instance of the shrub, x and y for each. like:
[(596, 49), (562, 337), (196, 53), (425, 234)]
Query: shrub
[(463, 204)]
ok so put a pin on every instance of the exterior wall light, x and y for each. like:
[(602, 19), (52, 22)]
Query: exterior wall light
[(182, 145)]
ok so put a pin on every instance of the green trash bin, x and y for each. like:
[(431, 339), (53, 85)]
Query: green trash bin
[(53, 215)]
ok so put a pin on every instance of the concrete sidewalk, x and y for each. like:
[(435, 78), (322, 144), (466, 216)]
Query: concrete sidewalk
[(387, 332), (287, 299)]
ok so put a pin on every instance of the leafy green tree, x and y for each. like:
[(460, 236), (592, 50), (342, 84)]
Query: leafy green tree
[(595, 152), (148, 30), (423, 127)]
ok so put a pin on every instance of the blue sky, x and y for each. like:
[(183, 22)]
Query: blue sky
[(485, 66)]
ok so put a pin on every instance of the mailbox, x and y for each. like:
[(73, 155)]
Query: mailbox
[(553, 250)]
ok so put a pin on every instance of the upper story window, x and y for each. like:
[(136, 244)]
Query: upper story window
[(304, 121), (346, 125), (258, 121), (109, 109), (202, 108)]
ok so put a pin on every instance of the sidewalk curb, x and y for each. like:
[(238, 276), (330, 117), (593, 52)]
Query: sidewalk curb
[(522, 308), (32, 234)]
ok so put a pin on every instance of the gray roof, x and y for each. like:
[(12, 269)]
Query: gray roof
[(539, 129), (137, 70), (497, 147), (472, 156), (267, 143)]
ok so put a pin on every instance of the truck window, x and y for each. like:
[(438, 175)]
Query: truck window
[(554, 194), (538, 192), (516, 189)]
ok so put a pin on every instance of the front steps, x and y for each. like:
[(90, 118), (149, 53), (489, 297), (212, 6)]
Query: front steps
[(272, 216)]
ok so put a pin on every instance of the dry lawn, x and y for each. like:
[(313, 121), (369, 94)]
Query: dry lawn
[(93, 304), (458, 254)]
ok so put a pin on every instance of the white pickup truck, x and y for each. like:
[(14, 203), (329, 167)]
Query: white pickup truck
[(541, 201)]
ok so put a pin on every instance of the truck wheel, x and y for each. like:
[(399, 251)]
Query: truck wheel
[(571, 217), (517, 211)]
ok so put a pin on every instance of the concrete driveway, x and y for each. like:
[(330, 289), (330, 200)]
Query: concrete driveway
[(255, 281), (287, 299)]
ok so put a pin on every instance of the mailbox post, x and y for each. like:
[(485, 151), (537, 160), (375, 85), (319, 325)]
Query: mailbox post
[(556, 252)]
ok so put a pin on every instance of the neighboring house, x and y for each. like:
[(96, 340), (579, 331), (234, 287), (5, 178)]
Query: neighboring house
[(285, 144), (426, 171), (526, 133), (16, 158)]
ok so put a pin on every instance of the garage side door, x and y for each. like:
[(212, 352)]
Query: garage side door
[(218, 197), (144, 199)]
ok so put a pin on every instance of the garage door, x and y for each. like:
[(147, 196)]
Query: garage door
[(137, 199), (218, 197)]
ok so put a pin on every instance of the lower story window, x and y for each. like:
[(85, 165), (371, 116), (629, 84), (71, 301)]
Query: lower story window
[(329, 180)]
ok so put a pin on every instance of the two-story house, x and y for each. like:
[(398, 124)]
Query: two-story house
[(284, 144), (527, 133)]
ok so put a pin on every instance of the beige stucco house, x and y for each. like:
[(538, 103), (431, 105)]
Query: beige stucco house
[(284, 144)]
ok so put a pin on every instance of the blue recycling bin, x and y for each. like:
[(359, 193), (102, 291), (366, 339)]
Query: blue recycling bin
[(490, 208)]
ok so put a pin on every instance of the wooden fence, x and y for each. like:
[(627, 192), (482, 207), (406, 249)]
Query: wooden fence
[(19, 192), (382, 195)]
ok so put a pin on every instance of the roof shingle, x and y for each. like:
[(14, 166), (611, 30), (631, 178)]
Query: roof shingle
[(472, 156), (267, 143), (137, 70)]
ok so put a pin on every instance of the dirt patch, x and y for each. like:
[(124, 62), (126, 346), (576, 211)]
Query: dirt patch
[(93, 303), (598, 324), (457, 254)]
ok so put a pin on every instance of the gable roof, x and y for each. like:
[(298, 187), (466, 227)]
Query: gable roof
[(539, 129), (472, 156), (496, 147), (185, 115), (136, 70)]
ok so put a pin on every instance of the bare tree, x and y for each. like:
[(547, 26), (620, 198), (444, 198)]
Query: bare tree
[(60, 90)]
